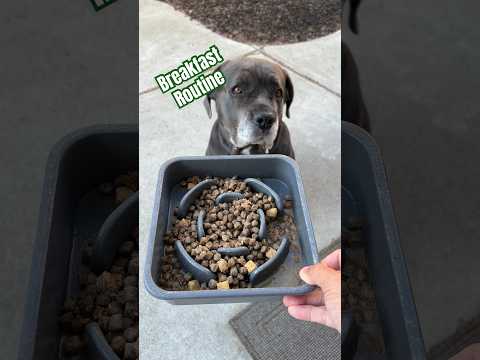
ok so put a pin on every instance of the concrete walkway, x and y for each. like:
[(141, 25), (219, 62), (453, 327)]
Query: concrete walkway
[(166, 38)]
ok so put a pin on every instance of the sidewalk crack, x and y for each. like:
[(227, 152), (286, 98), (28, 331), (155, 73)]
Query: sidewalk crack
[(306, 77)]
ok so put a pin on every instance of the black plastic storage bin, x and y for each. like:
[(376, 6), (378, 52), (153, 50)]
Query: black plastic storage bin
[(79, 162), (365, 193), (278, 171)]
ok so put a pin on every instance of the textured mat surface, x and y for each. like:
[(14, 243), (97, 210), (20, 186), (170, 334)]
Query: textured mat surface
[(269, 333)]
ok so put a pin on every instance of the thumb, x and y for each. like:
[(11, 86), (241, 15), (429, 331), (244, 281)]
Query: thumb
[(321, 275)]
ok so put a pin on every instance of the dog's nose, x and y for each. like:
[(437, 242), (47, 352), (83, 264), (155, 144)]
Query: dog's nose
[(264, 121)]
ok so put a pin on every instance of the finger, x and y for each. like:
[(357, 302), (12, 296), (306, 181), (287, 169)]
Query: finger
[(334, 260), (316, 314), (320, 275), (313, 298)]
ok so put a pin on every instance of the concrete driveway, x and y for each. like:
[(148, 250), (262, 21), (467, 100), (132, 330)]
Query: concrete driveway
[(166, 38)]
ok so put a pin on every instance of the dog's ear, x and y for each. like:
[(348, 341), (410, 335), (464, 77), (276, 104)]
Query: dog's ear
[(288, 93), (208, 98)]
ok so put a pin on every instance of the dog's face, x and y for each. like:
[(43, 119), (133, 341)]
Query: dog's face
[(250, 104)]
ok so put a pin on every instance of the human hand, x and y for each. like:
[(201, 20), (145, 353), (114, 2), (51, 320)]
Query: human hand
[(324, 304)]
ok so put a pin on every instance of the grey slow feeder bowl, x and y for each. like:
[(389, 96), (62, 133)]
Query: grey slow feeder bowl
[(279, 172), (114, 231)]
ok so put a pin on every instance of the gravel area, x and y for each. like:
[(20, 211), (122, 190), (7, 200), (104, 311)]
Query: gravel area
[(267, 21)]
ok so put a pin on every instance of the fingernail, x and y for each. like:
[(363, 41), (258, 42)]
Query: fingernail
[(304, 271)]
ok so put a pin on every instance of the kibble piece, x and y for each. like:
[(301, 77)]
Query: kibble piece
[(115, 323), (272, 213), (361, 276), (131, 310), (212, 284), (231, 262), (131, 351), (114, 308), (130, 293), (250, 265), (270, 253), (222, 265), (193, 285), (109, 281), (234, 271), (130, 280), (127, 323), (117, 344), (214, 267), (223, 285), (133, 266)]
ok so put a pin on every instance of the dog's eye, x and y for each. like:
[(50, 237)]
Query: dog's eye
[(236, 90), (279, 93)]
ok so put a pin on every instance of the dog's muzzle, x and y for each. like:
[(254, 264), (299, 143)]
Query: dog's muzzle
[(264, 120)]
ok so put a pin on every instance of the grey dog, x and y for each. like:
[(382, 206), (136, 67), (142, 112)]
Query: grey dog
[(250, 109)]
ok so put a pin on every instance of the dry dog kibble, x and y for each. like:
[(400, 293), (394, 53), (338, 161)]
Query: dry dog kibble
[(270, 253), (111, 298), (131, 351), (231, 262), (212, 284), (250, 266), (130, 293), (358, 295), (234, 271), (115, 323), (214, 267), (226, 225), (131, 310), (223, 285), (131, 334), (118, 344), (130, 280), (222, 266), (272, 213), (133, 266), (193, 285)]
